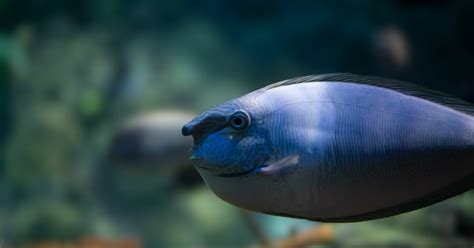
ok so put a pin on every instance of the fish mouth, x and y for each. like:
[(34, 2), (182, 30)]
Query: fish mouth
[(198, 163), (196, 158)]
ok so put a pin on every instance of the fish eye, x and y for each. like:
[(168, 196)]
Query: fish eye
[(240, 120)]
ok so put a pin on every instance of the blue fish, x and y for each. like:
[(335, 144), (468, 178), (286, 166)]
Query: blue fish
[(336, 148)]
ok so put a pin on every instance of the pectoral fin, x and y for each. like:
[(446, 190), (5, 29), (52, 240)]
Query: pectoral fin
[(280, 167)]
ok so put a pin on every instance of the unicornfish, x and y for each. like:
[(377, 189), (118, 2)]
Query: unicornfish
[(336, 148)]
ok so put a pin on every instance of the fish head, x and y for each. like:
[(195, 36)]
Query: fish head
[(229, 140)]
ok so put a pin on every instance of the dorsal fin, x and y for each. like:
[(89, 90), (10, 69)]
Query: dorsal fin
[(399, 86)]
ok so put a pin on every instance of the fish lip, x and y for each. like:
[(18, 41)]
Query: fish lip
[(197, 161), (234, 174), (196, 158)]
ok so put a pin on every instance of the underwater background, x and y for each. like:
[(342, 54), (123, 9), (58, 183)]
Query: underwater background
[(93, 95)]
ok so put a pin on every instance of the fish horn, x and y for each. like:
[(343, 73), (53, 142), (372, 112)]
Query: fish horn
[(188, 129)]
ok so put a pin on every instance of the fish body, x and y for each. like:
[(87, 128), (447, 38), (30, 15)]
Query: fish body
[(336, 148)]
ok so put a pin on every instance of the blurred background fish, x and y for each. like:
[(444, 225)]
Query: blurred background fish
[(151, 143), (73, 74), (152, 139)]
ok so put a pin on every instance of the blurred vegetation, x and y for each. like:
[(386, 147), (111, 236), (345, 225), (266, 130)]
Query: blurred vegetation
[(72, 71)]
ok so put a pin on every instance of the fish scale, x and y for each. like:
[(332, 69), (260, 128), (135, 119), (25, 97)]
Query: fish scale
[(353, 159)]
